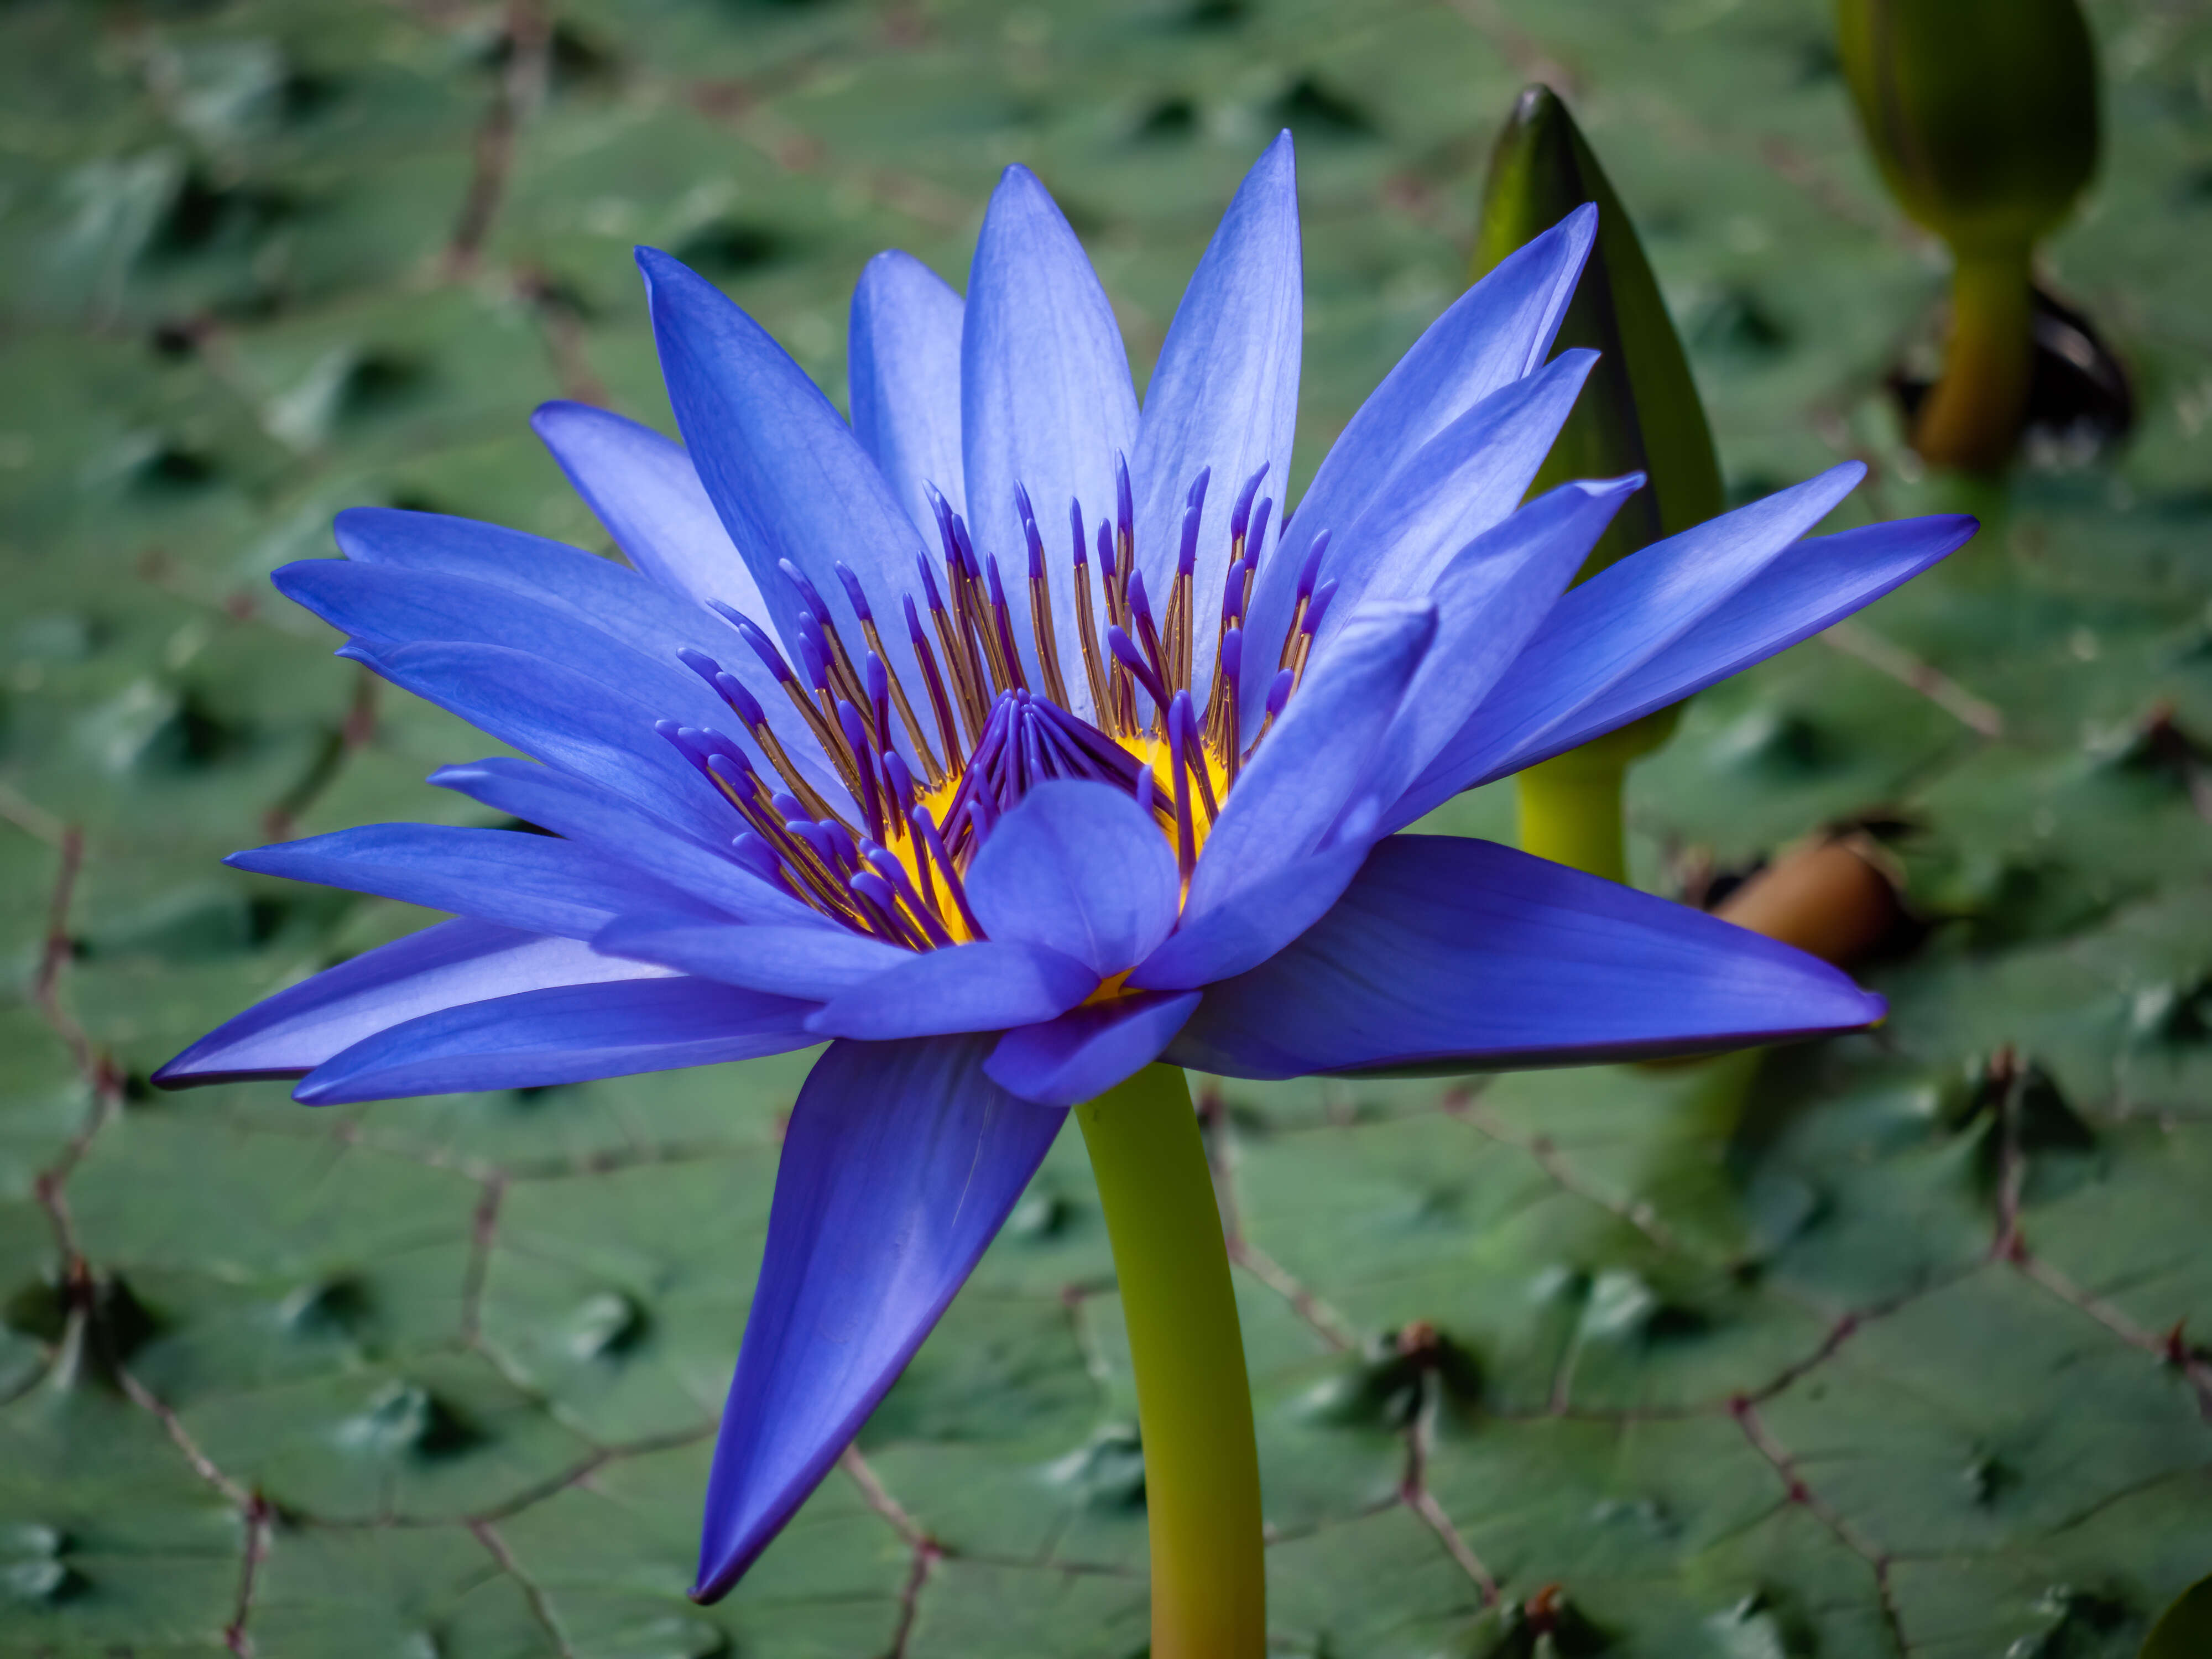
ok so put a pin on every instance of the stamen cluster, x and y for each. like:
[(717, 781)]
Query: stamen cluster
[(924, 808)]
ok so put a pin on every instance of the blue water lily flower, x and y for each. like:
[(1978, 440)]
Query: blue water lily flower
[(1011, 738)]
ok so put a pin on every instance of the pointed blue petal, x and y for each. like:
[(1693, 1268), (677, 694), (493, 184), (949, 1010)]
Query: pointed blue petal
[(645, 490), (811, 963), (899, 1168), (445, 965), (654, 621), (1079, 868), (624, 602), (1813, 585), (1086, 1051), (573, 1034), (1467, 479), (1318, 759), (1267, 914), (565, 719), (903, 365), (533, 884), (788, 478), (1621, 619), (985, 986), (588, 816), (1490, 600), (1045, 396), (1225, 393), (385, 608), (1454, 954), (1498, 331)]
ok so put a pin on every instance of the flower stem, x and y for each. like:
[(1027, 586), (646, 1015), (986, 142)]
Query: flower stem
[(1972, 420), (1194, 1402), (1571, 812)]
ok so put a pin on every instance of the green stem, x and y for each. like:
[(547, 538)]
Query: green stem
[(1571, 812), (1194, 1402), (1973, 418)]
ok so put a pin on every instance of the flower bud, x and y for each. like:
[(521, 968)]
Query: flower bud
[(1639, 411), (1981, 113)]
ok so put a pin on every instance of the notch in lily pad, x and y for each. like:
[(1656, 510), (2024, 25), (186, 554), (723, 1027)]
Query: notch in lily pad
[(1395, 1378), (606, 1326), (1107, 1472), (405, 1419)]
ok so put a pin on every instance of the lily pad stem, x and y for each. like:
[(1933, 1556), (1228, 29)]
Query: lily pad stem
[(1972, 420), (1194, 1401)]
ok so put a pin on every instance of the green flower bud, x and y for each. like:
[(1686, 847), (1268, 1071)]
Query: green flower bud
[(1640, 410), (1639, 413), (1981, 113)]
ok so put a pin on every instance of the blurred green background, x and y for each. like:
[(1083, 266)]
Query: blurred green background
[(1900, 1358)]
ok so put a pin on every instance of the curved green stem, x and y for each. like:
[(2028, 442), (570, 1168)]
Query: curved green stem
[(1194, 1402), (1972, 420), (1571, 812)]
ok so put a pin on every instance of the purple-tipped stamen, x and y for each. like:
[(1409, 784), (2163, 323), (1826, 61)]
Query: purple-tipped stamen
[(1311, 569), (763, 647), (1195, 750), (1240, 515), (942, 858), (1126, 652), (1194, 510), (887, 867), (1178, 718), (809, 595), (854, 591), (742, 703), (882, 907), (863, 762), (1258, 537), (813, 659), (1029, 532), (1319, 608)]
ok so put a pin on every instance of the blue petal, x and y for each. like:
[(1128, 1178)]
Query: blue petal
[(1079, 868), (814, 963), (655, 622), (588, 815), (385, 608), (1225, 393), (565, 719), (1318, 759), (1496, 332), (445, 965), (788, 478), (1813, 585), (1045, 396), (1087, 1050), (903, 365), (534, 884), (899, 1168), (624, 602), (1267, 914), (1490, 600), (1453, 954), (574, 1033), (1465, 480), (645, 490), (985, 987), (1621, 619)]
